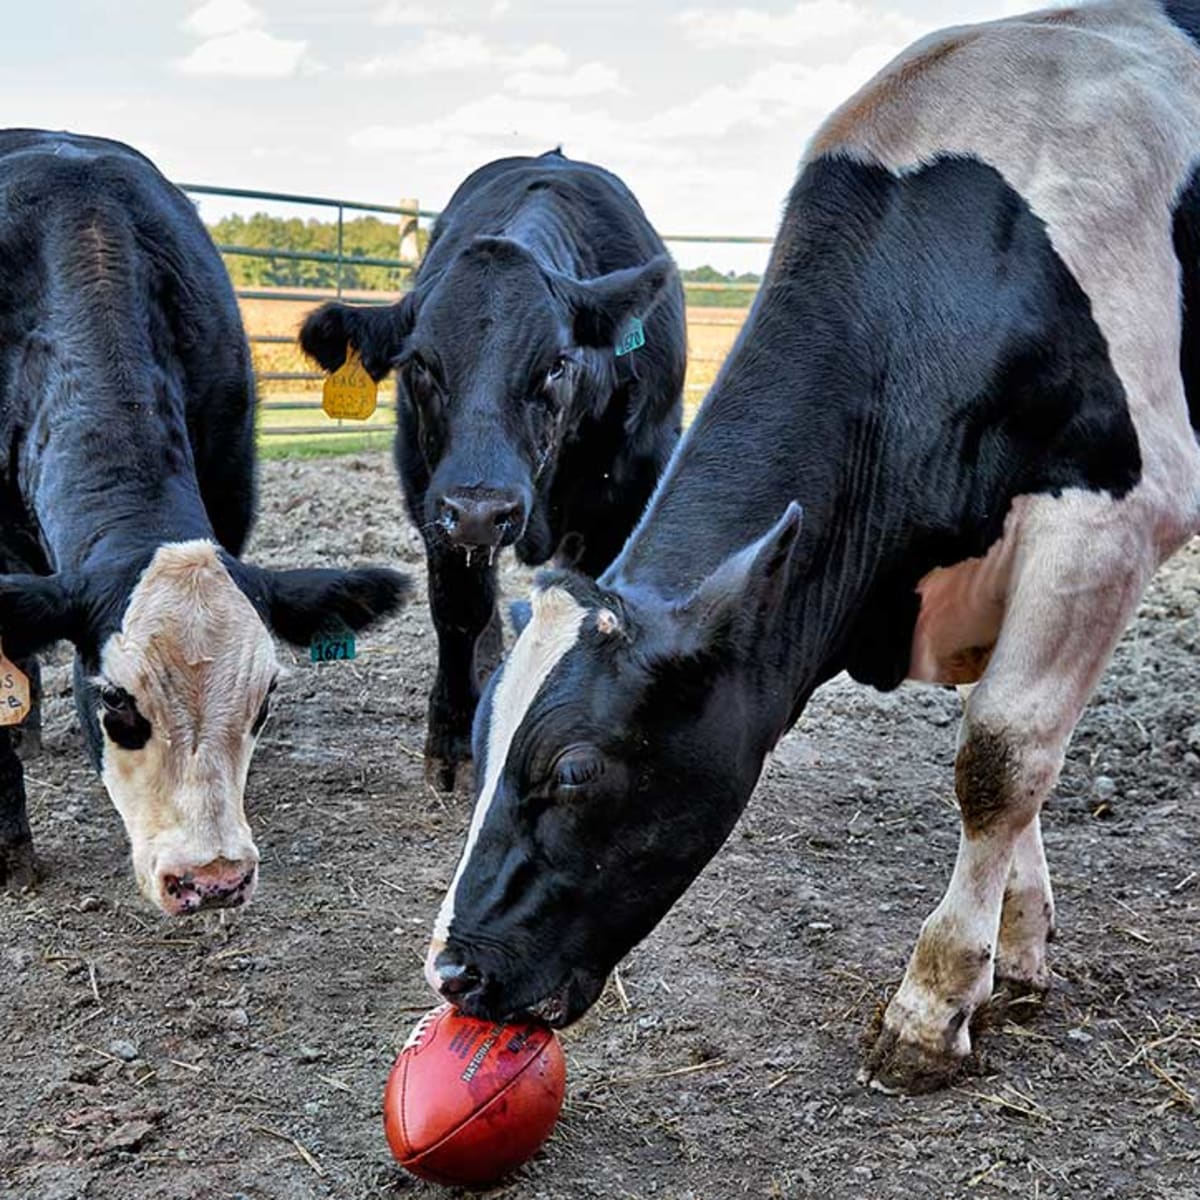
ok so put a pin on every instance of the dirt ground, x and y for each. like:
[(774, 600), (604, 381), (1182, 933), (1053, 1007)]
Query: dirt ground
[(244, 1056)]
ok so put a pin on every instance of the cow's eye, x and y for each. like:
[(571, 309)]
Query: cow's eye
[(558, 368), (577, 766), (123, 723)]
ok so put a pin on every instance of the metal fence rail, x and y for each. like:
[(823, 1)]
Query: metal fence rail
[(409, 216)]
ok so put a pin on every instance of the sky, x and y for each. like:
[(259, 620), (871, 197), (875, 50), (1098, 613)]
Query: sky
[(702, 107)]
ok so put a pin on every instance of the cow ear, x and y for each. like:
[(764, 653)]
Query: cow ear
[(36, 611), (601, 307), (299, 604), (748, 590), (378, 334)]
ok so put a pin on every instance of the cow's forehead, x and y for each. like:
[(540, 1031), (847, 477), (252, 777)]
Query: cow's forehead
[(187, 620)]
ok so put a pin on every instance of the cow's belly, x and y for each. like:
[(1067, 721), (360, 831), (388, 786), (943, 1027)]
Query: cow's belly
[(962, 609)]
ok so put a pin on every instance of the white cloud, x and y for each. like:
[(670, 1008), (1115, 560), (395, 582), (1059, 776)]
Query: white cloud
[(780, 93), (222, 16), (810, 23), (589, 79), (237, 47), (397, 12), (438, 52), (246, 54)]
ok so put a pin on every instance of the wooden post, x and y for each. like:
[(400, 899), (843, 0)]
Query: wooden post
[(410, 244)]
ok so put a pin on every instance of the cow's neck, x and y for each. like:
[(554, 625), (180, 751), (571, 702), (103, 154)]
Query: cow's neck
[(805, 408), (749, 455), (108, 471)]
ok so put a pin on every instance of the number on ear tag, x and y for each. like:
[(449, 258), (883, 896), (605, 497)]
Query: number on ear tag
[(631, 338), (332, 646), (14, 693), (350, 393)]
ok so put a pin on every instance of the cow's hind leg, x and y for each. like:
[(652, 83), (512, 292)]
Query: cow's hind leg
[(16, 840), (1074, 590), (1026, 918)]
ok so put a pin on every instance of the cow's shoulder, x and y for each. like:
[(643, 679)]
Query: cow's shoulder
[(968, 342)]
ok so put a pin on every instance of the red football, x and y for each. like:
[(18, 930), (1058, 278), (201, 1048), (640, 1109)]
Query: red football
[(468, 1101)]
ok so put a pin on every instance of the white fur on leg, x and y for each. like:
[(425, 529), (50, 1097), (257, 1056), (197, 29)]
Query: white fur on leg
[(926, 1029), (1027, 917)]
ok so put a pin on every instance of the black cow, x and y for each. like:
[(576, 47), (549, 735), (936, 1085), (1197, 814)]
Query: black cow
[(520, 421), (127, 452), (965, 365)]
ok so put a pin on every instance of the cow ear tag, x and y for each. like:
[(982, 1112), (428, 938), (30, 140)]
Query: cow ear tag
[(334, 643), (350, 393), (632, 337), (14, 693)]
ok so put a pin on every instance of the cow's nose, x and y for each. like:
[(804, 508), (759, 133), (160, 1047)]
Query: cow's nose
[(455, 980), (221, 883), (490, 520)]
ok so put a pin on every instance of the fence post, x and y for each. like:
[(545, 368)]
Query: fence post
[(410, 243)]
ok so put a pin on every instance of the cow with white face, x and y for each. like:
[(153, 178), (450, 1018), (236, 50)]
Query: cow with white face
[(127, 418), (953, 442)]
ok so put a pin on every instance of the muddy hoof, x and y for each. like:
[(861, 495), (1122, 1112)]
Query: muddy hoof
[(1017, 979), (895, 1064), (18, 867), (447, 775)]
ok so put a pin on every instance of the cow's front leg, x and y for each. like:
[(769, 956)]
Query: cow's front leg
[(27, 737), (1068, 607), (462, 600), (16, 840)]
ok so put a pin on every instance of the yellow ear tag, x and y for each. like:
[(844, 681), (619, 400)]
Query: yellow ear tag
[(14, 693), (350, 393)]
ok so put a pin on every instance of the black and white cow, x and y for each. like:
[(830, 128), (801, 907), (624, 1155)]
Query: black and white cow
[(127, 452), (519, 422), (965, 366)]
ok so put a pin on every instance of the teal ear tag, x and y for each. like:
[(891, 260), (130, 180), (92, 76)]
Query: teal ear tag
[(632, 337), (335, 644)]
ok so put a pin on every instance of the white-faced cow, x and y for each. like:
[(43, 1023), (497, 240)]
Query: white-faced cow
[(127, 430), (521, 420), (965, 366)]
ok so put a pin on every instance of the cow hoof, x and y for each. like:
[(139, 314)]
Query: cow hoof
[(1021, 979), (18, 867), (913, 1056), (445, 757), (446, 775), (440, 774)]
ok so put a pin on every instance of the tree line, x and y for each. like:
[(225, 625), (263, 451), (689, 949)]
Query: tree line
[(371, 237)]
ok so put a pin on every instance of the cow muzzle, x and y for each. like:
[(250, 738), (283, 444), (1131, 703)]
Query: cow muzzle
[(221, 883), (462, 982), (482, 518)]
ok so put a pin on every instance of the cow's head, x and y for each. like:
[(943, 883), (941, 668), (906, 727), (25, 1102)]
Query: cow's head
[(615, 749), (500, 359), (174, 675)]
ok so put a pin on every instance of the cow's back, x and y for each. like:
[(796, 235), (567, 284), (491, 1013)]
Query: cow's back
[(106, 260)]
